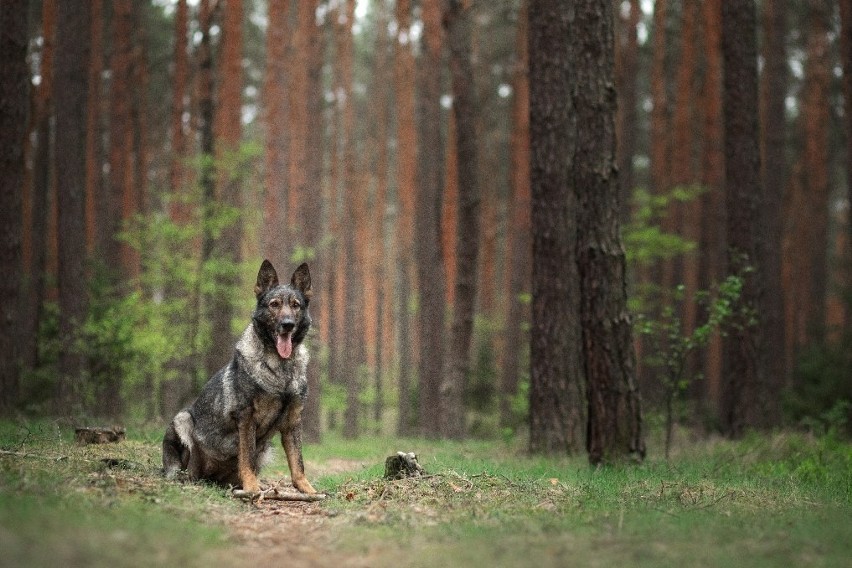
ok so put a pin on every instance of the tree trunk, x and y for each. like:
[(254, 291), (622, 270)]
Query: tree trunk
[(458, 23), (518, 238), (626, 76), (774, 175), (430, 266), (557, 395), (94, 166), (846, 61), (276, 104), (227, 130), (747, 400), (14, 104), (71, 88), (614, 428)]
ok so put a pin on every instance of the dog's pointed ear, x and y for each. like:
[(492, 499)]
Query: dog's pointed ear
[(267, 279), (302, 280)]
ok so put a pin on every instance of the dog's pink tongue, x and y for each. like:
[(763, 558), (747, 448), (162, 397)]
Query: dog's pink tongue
[(284, 345)]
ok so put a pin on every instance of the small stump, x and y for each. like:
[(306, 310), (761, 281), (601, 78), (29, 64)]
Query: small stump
[(402, 465), (85, 436)]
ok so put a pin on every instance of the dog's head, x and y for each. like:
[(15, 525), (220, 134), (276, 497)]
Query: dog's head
[(281, 316)]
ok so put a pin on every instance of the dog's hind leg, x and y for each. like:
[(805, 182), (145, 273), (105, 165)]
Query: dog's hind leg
[(246, 460), (177, 444)]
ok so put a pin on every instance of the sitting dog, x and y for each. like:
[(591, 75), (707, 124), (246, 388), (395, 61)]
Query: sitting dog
[(224, 436)]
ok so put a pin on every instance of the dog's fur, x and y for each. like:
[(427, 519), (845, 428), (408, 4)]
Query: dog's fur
[(224, 436)]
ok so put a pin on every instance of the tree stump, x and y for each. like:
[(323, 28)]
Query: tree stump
[(98, 435), (402, 465)]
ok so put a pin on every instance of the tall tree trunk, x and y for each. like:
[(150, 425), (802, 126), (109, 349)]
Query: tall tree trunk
[(276, 102), (626, 76), (179, 208), (404, 79), (450, 211), (313, 208), (94, 167), (713, 177), (430, 266), (747, 399), (518, 238), (846, 61), (557, 395), (614, 428), (71, 88), (459, 23), (227, 130), (774, 175), (43, 187), (14, 105)]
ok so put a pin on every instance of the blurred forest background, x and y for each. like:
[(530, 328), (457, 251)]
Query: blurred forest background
[(216, 133)]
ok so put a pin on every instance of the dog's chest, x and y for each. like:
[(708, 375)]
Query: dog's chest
[(268, 412)]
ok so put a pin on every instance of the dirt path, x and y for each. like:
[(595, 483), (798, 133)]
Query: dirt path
[(276, 532)]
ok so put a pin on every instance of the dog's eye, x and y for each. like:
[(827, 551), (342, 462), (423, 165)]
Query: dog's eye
[(295, 304), (275, 303)]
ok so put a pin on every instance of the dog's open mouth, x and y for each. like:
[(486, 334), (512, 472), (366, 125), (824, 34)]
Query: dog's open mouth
[(284, 345)]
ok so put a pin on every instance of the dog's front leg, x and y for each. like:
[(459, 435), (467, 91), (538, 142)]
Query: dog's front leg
[(291, 439), (245, 460)]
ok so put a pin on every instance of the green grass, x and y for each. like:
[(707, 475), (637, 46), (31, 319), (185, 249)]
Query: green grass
[(777, 500)]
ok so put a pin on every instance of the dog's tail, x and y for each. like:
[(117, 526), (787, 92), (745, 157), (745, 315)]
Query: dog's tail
[(177, 444)]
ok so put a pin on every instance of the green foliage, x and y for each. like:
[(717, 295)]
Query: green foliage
[(821, 396)]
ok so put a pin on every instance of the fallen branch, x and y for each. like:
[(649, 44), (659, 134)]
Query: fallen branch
[(275, 494), (29, 455)]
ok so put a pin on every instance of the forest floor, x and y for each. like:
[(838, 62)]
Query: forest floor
[(778, 500)]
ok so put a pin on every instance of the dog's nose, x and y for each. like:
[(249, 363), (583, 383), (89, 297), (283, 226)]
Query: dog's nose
[(286, 326)]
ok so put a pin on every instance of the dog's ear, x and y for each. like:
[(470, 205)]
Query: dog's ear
[(302, 280), (267, 279)]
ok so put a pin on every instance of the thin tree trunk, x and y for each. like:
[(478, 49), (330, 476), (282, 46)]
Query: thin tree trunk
[(518, 239), (627, 70), (458, 23), (846, 61), (430, 266), (94, 177), (14, 105), (774, 175), (71, 88)]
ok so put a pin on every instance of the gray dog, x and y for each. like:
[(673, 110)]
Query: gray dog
[(224, 435)]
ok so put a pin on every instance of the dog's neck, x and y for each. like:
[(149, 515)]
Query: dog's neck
[(273, 373)]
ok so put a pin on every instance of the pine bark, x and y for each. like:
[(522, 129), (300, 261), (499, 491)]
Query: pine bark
[(614, 428), (557, 396), (14, 106), (70, 95), (747, 400)]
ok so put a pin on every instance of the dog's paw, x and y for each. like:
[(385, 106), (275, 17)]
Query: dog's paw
[(251, 486), (304, 486)]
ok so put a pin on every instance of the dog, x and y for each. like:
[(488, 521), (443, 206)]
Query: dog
[(224, 435)]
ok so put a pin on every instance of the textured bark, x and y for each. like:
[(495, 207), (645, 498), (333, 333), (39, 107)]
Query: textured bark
[(450, 213), (14, 105), (774, 173), (747, 399), (72, 61), (557, 396), (427, 227), (519, 246), (614, 429)]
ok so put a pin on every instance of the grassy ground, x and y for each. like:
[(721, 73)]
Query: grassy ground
[(774, 500)]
